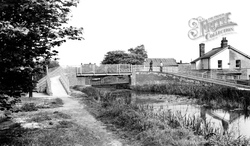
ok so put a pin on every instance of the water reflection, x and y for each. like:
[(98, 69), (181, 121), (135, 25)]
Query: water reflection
[(235, 121), (233, 116), (229, 121)]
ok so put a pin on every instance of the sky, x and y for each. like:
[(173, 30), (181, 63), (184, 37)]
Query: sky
[(162, 26)]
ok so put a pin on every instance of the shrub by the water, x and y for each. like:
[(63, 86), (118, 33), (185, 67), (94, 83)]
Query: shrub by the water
[(91, 92), (106, 95)]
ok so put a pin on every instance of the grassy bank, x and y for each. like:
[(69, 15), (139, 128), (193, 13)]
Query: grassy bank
[(57, 130), (156, 128)]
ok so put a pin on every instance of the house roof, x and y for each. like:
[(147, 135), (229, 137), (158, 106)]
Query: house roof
[(217, 50), (230, 47), (157, 61), (209, 54)]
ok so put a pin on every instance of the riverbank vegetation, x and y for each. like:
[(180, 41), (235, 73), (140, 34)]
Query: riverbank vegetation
[(155, 127), (213, 96)]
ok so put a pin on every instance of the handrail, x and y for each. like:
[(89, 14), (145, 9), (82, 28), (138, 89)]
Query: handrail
[(215, 81), (46, 80), (65, 82), (118, 68), (104, 69), (208, 76), (42, 80)]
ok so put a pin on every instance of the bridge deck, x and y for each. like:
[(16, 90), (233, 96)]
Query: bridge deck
[(101, 74)]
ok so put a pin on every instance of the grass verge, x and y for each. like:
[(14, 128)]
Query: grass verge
[(56, 129), (67, 133)]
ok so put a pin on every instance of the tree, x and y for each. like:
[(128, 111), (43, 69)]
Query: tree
[(29, 29), (135, 56), (135, 59), (53, 64), (139, 50), (115, 57)]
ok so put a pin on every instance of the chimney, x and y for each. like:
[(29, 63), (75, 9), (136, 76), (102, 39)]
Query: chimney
[(224, 42), (202, 49)]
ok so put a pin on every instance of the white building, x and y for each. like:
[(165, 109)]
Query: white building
[(224, 58)]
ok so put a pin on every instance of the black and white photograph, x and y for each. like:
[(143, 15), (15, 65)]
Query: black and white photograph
[(124, 73)]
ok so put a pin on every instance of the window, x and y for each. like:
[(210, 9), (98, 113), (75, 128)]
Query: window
[(219, 63), (238, 63)]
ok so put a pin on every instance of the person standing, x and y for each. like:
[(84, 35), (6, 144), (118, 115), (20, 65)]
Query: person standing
[(161, 66), (151, 66)]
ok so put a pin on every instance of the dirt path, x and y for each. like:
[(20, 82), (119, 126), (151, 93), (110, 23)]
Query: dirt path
[(83, 118)]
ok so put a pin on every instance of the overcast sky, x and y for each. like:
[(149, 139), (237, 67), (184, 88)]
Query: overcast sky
[(160, 25)]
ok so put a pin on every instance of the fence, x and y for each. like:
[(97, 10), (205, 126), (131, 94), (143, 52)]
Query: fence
[(214, 76), (64, 81), (119, 68), (104, 69), (172, 69), (211, 74)]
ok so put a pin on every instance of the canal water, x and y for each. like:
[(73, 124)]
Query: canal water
[(235, 121)]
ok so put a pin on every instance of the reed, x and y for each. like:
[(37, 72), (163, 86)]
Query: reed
[(164, 127)]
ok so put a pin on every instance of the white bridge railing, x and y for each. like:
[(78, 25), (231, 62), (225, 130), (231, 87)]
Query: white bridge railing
[(104, 69), (119, 69)]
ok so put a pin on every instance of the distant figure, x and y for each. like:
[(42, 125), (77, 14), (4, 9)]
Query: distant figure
[(151, 66), (161, 66)]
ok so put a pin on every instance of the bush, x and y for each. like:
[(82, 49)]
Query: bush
[(29, 107), (40, 117), (62, 115), (57, 101), (65, 124), (78, 87), (7, 102), (92, 93), (120, 96)]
